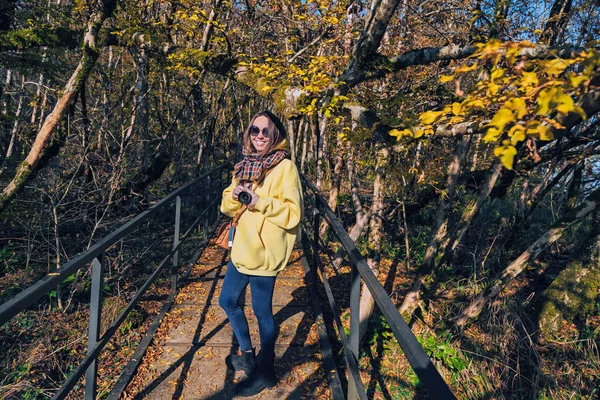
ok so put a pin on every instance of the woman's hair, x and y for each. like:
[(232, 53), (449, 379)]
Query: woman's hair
[(275, 132)]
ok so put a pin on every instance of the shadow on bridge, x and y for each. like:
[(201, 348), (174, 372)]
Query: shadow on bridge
[(284, 363)]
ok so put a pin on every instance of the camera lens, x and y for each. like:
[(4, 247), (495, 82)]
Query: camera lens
[(244, 198)]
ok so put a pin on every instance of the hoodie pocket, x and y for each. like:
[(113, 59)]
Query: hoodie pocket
[(276, 246)]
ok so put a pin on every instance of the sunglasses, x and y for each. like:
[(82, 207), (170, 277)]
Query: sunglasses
[(255, 130)]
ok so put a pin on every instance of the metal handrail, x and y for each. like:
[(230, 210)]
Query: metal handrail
[(95, 255), (422, 365), (33, 293)]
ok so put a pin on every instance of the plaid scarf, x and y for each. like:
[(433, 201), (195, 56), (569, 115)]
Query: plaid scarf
[(251, 168)]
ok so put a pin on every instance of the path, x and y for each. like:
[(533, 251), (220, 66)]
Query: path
[(186, 360)]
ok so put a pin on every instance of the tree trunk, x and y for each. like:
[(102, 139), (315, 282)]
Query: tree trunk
[(438, 235), (321, 150), (336, 179), (140, 104), (575, 185), (375, 231), (405, 228), (476, 151), (15, 129), (473, 208), (208, 28), (38, 93), (91, 51), (314, 132), (544, 187), (499, 22), (517, 266), (362, 217), (291, 139), (3, 86), (305, 141), (439, 232), (557, 21)]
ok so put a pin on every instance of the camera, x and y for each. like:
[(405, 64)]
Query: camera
[(244, 198)]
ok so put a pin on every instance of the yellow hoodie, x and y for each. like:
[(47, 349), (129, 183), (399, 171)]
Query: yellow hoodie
[(265, 236)]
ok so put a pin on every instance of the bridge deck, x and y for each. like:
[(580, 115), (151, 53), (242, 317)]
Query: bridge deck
[(186, 360)]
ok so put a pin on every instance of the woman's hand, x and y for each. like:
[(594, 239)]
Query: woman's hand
[(254, 196), (236, 192), (242, 188)]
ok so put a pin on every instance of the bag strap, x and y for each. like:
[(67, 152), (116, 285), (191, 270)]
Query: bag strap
[(244, 206)]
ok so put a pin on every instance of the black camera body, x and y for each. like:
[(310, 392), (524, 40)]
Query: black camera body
[(244, 198)]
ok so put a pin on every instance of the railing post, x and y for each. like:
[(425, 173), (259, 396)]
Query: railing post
[(91, 385), (175, 243), (354, 325), (316, 215)]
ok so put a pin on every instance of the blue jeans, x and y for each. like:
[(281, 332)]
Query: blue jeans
[(261, 289)]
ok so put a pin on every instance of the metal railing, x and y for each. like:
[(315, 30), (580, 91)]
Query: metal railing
[(422, 365), (96, 256)]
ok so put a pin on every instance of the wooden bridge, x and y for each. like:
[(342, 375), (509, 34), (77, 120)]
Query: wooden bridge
[(190, 337)]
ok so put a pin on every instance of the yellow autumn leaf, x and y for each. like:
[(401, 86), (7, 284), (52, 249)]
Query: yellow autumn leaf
[(528, 79), (456, 108), (518, 106), (503, 117), (419, 133), (430, 117), (492, 135), (474, 104), (446, 78), (517, 134), (553, 123), (497, 73), (555, 66), (428, 130), (544, 100), (508, 156), (465, 68), (512, 51), (399, 134), (493, 89), (564, 102), (576, 80), (545, 132)]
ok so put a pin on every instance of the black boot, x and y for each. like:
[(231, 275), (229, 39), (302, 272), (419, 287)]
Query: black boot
[(262, 378), (246, 362)]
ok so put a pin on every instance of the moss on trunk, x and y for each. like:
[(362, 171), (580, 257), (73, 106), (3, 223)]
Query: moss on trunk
[(572, 295)]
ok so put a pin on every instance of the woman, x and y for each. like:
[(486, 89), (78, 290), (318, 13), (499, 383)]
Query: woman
[(264, 238)]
